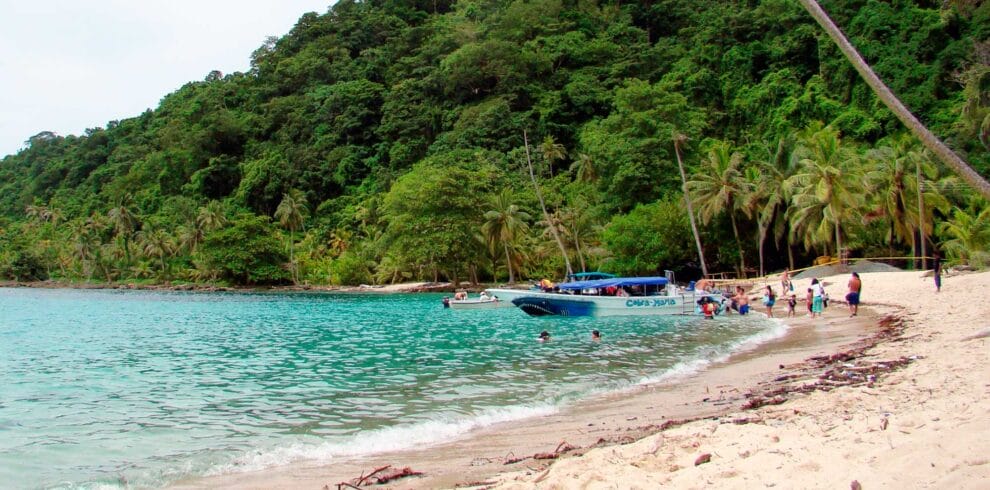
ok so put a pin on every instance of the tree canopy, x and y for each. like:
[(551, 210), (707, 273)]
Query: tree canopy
[(372, 142)]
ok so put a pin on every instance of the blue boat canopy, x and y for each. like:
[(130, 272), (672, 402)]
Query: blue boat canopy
[(615, 281)]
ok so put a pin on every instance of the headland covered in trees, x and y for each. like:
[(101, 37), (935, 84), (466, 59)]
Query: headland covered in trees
[(384, 141)]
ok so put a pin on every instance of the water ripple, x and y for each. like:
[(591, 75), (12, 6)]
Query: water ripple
[(153, 386)]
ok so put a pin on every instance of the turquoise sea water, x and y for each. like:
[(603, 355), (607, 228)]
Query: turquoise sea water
[(99, 388)]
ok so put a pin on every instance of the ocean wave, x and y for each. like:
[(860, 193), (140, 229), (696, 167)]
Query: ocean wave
[(398, 438)]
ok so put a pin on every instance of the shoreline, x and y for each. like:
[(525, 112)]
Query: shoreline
[(406, 287), (476, 459)]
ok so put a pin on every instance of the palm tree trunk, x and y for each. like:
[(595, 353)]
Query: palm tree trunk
[(546, 215), (577, 246), (930, 141), (687, 201), (508, 263), (763, 237), (735, 231), (292, 260), (838, 243)]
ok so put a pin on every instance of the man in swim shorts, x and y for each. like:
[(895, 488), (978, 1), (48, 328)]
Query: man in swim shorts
[(852, 297)]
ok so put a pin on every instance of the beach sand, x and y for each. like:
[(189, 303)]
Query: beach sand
[(921, 421)]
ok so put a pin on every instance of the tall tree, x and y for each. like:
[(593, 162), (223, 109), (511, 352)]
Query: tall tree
[(551, 152), (157, 243), (543, 206), (930, 141), (719, 187), (826, 190), (124, 223), (769, 198), (291, 214), (504, 221), (680, 140)]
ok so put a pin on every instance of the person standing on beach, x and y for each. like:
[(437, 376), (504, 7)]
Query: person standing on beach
[(852, 297), (937, 271), (785, 282), (769, 299), (742, 300), (817, 297)]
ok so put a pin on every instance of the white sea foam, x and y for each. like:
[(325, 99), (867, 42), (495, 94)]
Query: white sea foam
[(711, 355), (398, 438)]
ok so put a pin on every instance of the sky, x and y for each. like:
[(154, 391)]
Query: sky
[(69, 65)]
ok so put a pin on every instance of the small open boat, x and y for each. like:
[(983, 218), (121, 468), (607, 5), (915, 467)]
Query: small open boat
[(477, 303)]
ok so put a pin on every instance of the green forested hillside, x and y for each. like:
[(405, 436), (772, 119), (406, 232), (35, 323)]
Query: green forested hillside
[(384, 141)]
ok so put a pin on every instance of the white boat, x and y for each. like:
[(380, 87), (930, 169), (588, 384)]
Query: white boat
[(477, 303), (509, 294), (617, 296)]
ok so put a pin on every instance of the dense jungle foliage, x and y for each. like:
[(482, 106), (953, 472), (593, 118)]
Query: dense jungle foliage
[(385, 140)]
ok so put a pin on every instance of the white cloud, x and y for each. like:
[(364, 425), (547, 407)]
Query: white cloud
[(68, 65)]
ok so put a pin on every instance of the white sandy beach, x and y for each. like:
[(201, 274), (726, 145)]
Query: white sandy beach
[(923, 425)]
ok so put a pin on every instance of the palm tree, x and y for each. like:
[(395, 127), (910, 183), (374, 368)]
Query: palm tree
[(124, 222), (211, 217), (552, 151), (503, 222), (543, 206), (969, 235), (769, 198), (679, 141), (190, 236), (157, 243), (581, 229), (291, 214), (894, 104), (584, 169), (895, 180), (827, 188), (720, 187), (37, 213), (83, 244)]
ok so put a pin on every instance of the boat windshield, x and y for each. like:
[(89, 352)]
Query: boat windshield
[(636, 286), (589, 276)]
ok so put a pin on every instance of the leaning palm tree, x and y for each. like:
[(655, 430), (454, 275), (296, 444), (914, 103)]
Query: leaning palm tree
[(680, 140), (543, 206), (503, 222), (827, 188), (930, 141), (291, 214), (719, 186)]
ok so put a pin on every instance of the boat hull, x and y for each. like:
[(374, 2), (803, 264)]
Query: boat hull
[(478, 304), (506, 295), (557, 304)]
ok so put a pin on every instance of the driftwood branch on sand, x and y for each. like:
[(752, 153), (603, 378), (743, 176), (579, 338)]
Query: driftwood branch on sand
[(377, 476)]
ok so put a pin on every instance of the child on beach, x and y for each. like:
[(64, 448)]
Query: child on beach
[(810, 299), (791, 304)]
